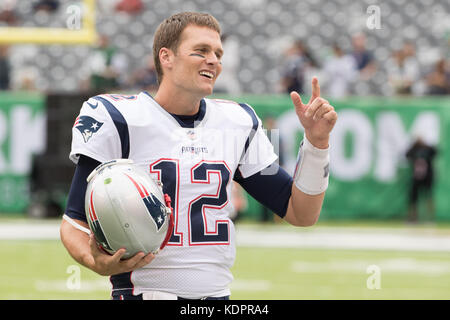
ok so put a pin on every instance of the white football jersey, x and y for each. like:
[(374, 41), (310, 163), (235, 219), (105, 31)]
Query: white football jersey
[(196, 166)]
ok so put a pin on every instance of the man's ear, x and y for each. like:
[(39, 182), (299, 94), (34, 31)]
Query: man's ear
[(166, 58)]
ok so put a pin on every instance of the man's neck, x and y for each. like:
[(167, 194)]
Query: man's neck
[(177, 102)]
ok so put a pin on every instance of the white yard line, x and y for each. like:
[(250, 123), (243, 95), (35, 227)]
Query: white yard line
[(29, 231), (404, 266), (346, 238), (408, 239)]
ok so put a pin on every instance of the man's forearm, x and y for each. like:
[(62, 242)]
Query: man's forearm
[(77, 243), (303, 209)]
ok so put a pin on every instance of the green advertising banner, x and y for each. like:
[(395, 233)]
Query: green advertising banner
[(369, 173), (22, 134)]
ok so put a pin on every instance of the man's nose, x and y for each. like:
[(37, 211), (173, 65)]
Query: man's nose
[(211, 58)]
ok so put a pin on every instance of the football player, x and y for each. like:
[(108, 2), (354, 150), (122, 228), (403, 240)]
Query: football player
[(196, 147)]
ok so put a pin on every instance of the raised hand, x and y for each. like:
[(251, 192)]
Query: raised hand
[(317, 117)]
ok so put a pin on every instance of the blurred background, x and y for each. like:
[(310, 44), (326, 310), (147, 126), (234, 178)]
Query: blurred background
[(384, 231)]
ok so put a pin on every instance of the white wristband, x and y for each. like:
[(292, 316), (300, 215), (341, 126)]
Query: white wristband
[(312, 169)]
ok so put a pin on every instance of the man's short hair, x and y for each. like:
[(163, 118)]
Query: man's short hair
[(169, 32)]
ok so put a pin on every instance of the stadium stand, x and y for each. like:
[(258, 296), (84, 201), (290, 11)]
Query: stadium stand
[(264, 29)]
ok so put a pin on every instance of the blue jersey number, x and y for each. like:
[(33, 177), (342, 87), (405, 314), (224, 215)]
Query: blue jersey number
[(200, 232)]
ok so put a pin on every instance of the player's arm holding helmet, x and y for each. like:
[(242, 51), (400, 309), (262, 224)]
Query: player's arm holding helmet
[(84, 249), (74, 231), (80, 242), (318, 118)]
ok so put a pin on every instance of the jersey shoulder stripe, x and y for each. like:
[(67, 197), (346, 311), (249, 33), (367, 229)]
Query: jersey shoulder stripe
[(240, 113), (255, 125), (120, 123)]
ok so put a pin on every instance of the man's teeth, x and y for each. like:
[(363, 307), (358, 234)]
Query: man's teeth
[(207, 74)]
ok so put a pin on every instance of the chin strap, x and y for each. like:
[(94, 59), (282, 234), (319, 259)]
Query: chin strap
[(171, 222)]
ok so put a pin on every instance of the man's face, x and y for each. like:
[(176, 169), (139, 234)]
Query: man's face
[(196, 65)]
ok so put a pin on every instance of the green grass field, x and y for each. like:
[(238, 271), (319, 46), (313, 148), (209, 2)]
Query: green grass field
[(42, 269)]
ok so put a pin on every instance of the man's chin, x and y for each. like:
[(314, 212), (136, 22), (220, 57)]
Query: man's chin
[(207, 91)]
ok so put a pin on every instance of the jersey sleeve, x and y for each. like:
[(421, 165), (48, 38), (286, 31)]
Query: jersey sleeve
[(258, 152), (94, 133), (75, 199), (276, 198)]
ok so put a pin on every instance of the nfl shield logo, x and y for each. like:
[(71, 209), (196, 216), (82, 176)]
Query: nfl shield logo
[(191, 134)]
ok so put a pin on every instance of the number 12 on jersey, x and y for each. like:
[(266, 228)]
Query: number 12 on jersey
[(199, 232)]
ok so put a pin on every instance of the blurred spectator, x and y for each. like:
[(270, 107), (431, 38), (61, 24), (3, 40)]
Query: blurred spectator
[(25, 78), (48, 6), (438, 81), (340, 71), (5, 68), (364, 58), (105, 67), (146, 78), (130, 6), (420, 156), (228, 81), (8, 13), (411, 61), (298, 60), (403, 70), (106, 6)]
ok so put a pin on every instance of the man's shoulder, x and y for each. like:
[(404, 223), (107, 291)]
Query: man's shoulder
[(126, 105), (230, 105), (223, 104), (234, 110), (116, 100), (119, 108)]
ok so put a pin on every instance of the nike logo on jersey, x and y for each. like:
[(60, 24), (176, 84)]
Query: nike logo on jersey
[(93, 106), (87, 126)]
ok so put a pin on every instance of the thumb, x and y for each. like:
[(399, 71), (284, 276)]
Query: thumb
[(297, 101)]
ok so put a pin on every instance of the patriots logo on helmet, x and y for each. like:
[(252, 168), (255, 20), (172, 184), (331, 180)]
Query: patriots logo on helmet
[(153, 205), (87, 126), (126, 208)]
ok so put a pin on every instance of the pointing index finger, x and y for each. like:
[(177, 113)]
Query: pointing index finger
[(315, 89)]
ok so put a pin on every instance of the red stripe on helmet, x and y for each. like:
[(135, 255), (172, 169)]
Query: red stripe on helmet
[(137, 186), (91, 208), (145, 190)]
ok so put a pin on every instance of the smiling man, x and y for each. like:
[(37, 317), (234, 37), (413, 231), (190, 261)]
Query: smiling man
[(187, 65), (196, 147)]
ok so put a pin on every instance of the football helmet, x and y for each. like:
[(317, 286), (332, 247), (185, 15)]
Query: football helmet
[(126, 208)]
